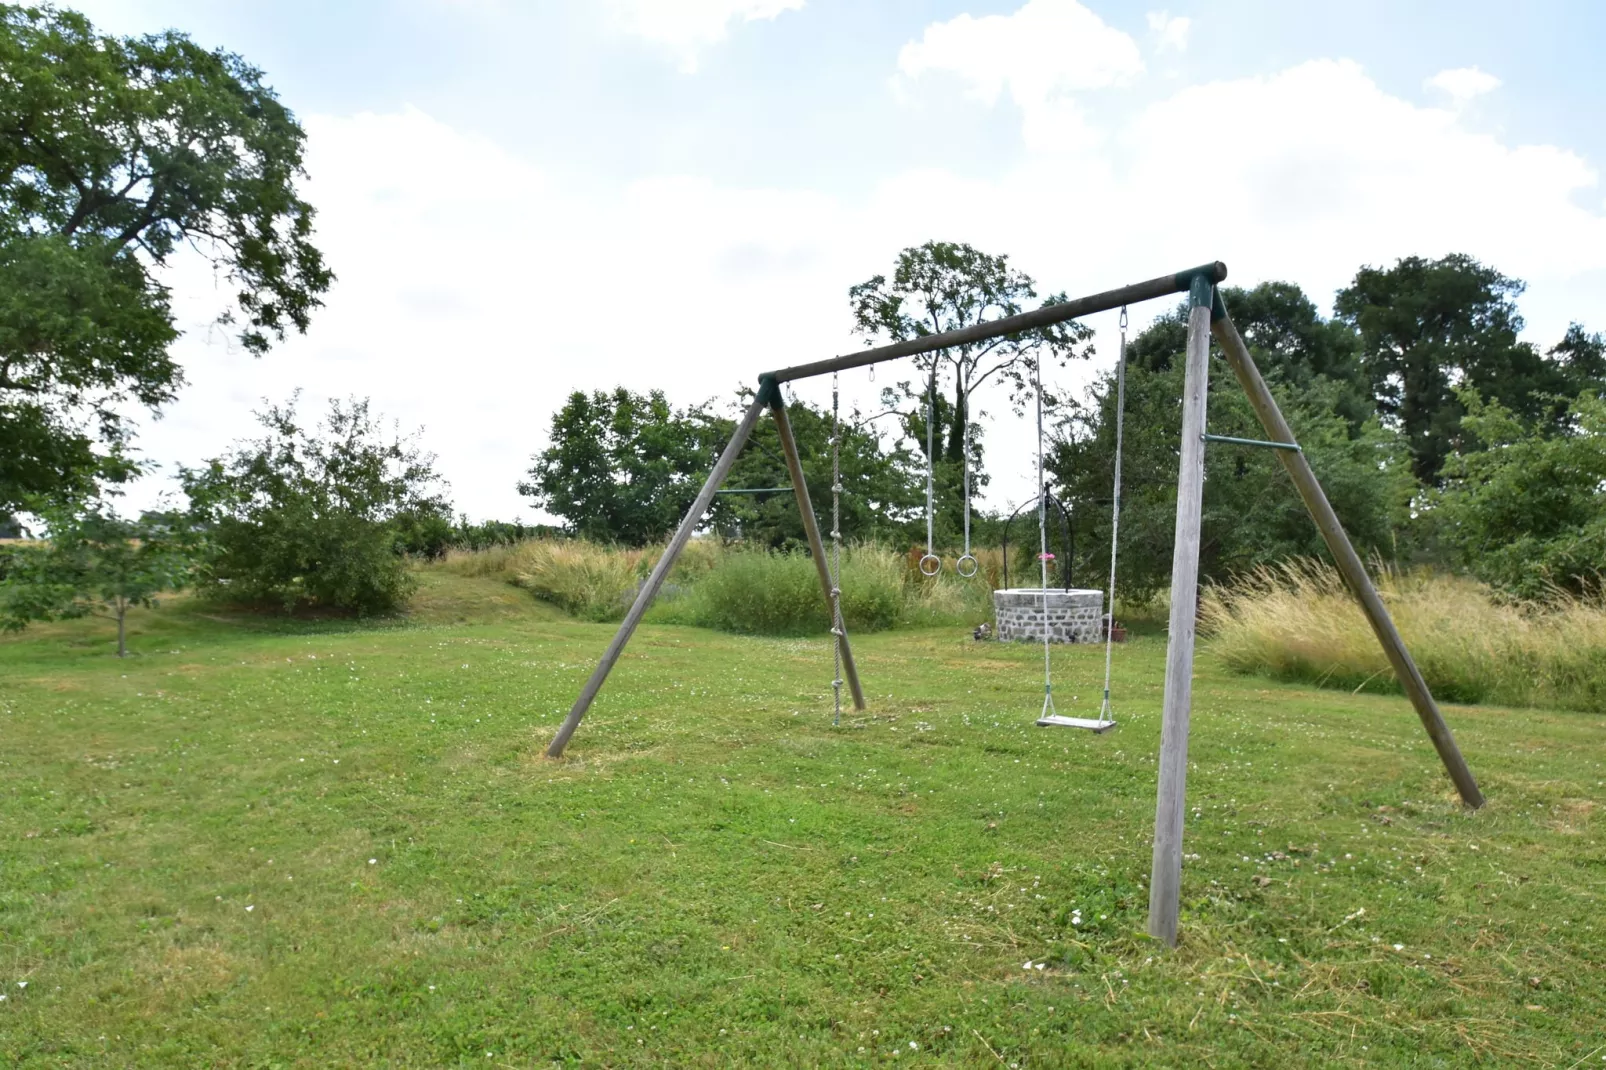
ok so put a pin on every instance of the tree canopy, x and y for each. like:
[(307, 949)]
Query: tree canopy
[(116, 154), (623, 467), (946, 286), (1429, 327), (1252, 514)]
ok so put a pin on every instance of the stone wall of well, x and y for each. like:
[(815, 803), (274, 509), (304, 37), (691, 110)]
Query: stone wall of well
[(1074, 616)]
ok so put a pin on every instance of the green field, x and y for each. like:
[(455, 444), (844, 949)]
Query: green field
[(324, 844)]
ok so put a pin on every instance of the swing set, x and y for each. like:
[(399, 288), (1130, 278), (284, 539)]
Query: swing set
[(1207, 318)]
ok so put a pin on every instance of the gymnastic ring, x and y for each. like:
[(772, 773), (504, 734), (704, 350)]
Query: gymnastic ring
[(936, 565), (959, 566)]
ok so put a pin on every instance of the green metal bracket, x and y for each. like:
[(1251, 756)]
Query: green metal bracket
[(1218, 308), (769, 391), (1212, 272), (1294, 446)]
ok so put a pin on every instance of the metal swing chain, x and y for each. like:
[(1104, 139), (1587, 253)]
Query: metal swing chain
[(1042, 544), (967, 558), (1106, 713), (931, 564), (836, 552)]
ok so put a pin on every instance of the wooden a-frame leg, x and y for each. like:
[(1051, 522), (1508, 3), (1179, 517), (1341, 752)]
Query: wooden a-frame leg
[(811, 530), (1165, 880), (660, 571), (1348, 561)]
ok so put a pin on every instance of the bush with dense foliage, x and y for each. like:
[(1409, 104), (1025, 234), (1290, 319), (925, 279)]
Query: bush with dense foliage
[(316, 517), (1527, 510), (763, 592)]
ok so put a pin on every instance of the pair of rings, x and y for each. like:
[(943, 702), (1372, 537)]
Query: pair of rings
[(931, 564)]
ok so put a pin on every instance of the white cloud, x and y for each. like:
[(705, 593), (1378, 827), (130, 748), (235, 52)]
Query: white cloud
[(1170, 30), (1045, 50), (686, 27), (1464, 83), (473, 308)]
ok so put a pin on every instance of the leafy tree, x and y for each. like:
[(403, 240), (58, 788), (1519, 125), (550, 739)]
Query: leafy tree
[(96, 562), (1252, 514), (623, 467), (1582, 359), (1428, 327), (882, 490), (946, 286), (1526, 508), (316, 517), (1290, 340), (115, 154)]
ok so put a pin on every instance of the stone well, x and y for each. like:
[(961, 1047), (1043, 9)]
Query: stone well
[(1074, 616)]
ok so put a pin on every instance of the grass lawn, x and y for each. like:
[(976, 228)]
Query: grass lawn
[(311, 845)]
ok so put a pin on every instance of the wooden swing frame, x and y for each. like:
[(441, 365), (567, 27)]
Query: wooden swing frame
[(1207, 318)]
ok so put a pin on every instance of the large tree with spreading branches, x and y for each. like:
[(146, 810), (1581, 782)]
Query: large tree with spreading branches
[(116, 154)]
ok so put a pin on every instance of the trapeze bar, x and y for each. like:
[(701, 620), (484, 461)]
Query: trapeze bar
[(1046, 316), (1294, 446)]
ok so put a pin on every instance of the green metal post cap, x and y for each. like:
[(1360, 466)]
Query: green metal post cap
[(1214, 272), (769, 391), (1200, 281)]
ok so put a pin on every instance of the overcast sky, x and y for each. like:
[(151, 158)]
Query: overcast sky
[(525, 199)]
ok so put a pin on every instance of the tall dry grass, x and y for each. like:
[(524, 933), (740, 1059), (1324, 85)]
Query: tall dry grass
[(1297, 621), (589, 580), (738, 589), (759, 592), (495, 561)]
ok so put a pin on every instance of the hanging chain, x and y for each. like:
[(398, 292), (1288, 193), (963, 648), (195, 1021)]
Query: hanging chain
[(1042, 543), (1106, 713), (966, 448), (931, 564), (967, 565), (931, 457), (836, 552)]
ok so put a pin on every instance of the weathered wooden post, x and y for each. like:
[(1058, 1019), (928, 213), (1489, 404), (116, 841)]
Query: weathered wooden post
[(811, 530), (1348, 561), (1165, 881), (660, 572)]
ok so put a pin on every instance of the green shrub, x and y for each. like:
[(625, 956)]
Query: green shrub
[(758, 592), (315, 517)]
